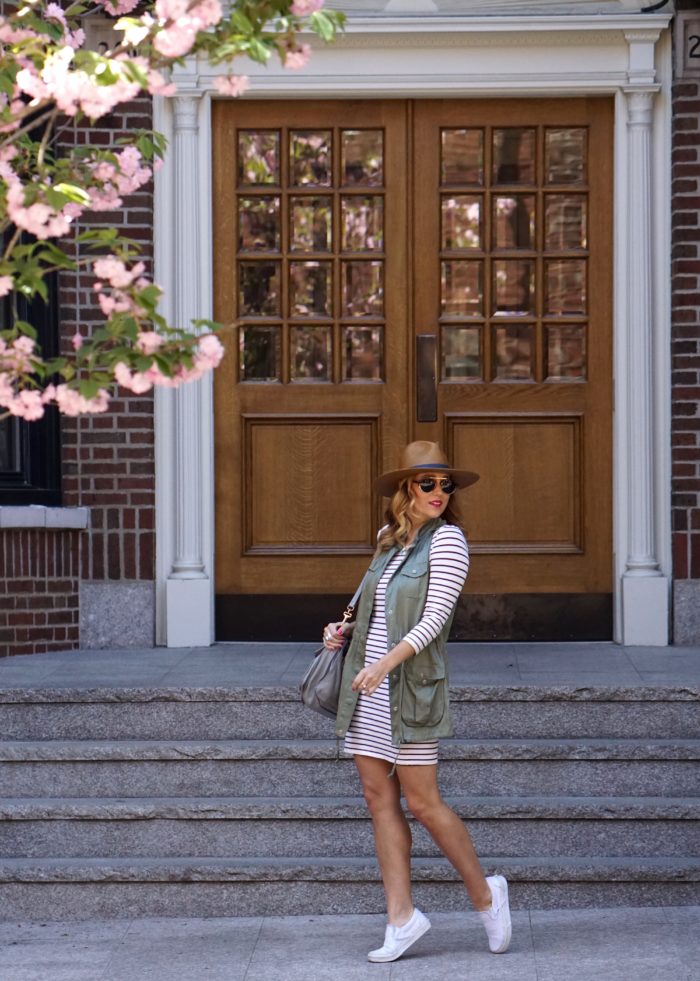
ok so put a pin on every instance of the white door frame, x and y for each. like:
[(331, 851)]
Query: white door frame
[(627, 56)]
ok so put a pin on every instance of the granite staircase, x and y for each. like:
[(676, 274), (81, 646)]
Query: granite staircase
[(234, 801)]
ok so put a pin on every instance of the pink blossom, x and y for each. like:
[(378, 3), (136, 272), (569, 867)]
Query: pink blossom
[(297, 57), (54, 12), (208, 12), (234, 85), (170, 9), (136, 382), (71, 403), (27, 405), (12, 35), (116, 7), (38, 218), (5, 285), (77, 340), (149, 341), (157, 85), (302, 8), (210, 351), (175, 41), (113, 269)]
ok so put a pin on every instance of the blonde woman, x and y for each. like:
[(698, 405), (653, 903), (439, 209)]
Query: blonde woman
[(394, 699)]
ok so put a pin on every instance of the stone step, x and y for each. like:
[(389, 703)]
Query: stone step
[(286, 827), (578, 767), (527, 711), (52, 889)]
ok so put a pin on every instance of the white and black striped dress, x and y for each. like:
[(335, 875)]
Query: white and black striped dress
[(369, 732)]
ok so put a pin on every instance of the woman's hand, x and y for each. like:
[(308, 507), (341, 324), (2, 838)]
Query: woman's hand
[(370, 678), (334, 635)]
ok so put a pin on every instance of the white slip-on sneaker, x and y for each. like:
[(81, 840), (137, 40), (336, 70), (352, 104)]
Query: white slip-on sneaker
[(397, 940), (496, 920)]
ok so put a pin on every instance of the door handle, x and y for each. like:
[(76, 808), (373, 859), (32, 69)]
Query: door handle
[(426, 377)]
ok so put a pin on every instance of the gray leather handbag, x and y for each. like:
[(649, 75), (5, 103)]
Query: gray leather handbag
[(320, 686)]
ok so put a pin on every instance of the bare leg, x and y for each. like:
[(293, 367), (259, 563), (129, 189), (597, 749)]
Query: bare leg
[(420, 788), (392, 835)]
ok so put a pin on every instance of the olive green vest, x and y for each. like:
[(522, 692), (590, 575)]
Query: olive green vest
[(418, 688)]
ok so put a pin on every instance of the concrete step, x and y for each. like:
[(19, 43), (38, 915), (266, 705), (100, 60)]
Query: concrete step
[(569, 767), (286, 827), (68, 888), (528, 711)]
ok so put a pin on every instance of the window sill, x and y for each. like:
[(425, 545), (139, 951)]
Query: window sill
[(39, 516)]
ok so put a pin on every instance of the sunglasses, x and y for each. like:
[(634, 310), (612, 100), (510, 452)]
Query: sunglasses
[(427, 484)]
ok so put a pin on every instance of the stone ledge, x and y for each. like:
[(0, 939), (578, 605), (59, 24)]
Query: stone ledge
[(40, 516)]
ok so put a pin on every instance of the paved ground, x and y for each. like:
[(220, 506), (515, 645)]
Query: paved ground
[(260, 665), (584, 945)]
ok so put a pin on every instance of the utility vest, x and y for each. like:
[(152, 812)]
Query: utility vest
[(419, 686)]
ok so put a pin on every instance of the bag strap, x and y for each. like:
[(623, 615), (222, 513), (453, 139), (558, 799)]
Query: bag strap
[(353, 602)]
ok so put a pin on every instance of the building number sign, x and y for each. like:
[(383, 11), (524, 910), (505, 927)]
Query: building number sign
[(687, 45)]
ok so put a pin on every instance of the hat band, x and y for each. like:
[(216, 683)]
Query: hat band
[(429, 466)]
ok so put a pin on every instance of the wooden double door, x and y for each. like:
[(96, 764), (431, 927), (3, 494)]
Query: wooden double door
[(397, 270)]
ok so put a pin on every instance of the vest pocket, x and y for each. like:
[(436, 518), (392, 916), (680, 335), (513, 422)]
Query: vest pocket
[(423, 701)]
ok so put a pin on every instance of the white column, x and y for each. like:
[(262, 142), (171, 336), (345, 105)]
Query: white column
[(188, 587), (644, 587)]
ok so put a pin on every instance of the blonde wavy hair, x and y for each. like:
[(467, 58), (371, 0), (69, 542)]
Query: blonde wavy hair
[(400, 513)]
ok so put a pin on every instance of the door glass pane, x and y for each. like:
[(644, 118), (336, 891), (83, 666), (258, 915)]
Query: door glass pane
[(462, 156), (461, 353), (363, 223), (565, 222), (513, 286), (258, 157), (311, 157), (461, 288), (259, 289), (461, 221), (259, 354), (514, 221), (363, 157), (514, 156), (258, 224), (362, 353), (310, 289), (565, 156), (566, 353), (311, 221), (310, 354), (566, 285), (363, 289), (513, 352)]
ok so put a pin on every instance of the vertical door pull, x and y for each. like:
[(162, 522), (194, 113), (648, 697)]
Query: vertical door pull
[(426, 377)]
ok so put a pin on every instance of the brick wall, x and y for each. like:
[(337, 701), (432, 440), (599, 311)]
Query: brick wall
[(107, 462), (39, 578), (686, 329)]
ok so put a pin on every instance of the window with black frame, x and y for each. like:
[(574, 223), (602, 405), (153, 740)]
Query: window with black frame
[(30, 451)]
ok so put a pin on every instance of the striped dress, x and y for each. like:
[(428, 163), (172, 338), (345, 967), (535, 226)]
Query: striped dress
[(369, 732)]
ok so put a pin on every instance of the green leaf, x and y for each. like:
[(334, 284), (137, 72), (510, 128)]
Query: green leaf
[(24, 328), (73, 192)]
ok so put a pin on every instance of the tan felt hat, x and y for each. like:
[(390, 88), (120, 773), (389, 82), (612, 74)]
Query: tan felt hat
[(420, 457)]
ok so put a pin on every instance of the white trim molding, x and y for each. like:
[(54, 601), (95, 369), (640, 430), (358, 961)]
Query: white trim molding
[(626, 55)]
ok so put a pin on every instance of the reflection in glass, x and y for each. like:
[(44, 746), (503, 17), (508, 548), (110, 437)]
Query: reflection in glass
[(565, 222), (311, 158), (565, 281), (258, 224), (461, 288), (565, 153), (363, 289), (362, 158), (566, 353), (461, 353), (514, 156), (362, 353), (462, 156), (513, 286), (363, 224), (310, 289), (311, 354), (461, 221), (311, 221), (259, 289), (514, 221), (259, 353), (513, 353), (258, 157)]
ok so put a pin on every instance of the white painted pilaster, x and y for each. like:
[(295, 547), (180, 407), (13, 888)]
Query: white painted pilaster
[(644, 588)]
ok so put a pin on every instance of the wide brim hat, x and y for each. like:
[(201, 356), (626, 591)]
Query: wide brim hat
[(420, 457)]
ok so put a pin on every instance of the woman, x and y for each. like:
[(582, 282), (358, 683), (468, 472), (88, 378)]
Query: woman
[(394, 698)]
